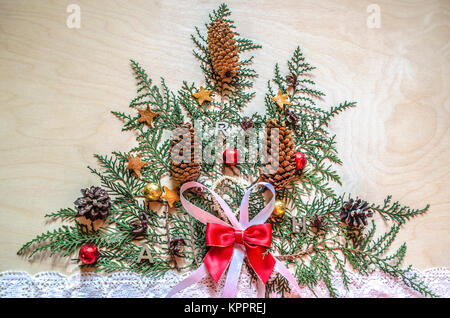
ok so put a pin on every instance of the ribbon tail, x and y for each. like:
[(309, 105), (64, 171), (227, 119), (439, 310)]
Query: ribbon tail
[(262, 263), (260, 289), (217, 260), (279, 266), (230, 288), (195, 277)]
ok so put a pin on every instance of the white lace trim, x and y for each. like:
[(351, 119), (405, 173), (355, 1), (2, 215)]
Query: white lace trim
[(129, 284)]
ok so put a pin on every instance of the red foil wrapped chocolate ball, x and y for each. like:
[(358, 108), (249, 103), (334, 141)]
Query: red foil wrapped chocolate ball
[(300, 160), (230, 157), (89, 254)]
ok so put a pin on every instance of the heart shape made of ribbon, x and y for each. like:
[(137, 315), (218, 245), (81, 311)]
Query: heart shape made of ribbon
[(229, 244)]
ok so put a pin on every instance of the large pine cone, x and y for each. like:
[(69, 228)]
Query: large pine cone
[(94, 204), (355, 213), (223, 51), (285, 155), (185, 170)]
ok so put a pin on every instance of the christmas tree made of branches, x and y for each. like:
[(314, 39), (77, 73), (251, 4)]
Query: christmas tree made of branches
[(335, 231)]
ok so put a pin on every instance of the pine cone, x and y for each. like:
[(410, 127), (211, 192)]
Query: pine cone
[(291, 117), (247, 123), (223, 51), (186, 170), (319, 223), (292, 80), (198, 191), (355, 213), (94, 204), (285, 155), (140, 225), (176, 247)]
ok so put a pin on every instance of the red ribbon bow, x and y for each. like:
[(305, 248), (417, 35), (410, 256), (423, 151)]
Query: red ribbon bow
[(256, 239)]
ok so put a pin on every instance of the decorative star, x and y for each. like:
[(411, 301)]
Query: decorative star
[(171, 196), (135, 164), (146, 116), (281, 99), (202, 96)]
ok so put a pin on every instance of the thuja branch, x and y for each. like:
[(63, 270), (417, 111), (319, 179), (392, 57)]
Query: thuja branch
[(396, 212)]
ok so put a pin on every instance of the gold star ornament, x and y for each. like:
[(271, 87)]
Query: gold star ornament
[(281, 99), (171, 196), (135, 164), (202, 96), (146, 116)]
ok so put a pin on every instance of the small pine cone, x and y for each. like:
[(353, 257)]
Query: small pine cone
[(291, 117), (292, 80), (246, 123), (94, 204), (355, 213), (224, 52), (176, 247), (198, 191), (187, 169), (140, 225), (285, 155), (319, 223)]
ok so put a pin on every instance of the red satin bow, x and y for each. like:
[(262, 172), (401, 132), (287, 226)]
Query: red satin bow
[(256, 239)]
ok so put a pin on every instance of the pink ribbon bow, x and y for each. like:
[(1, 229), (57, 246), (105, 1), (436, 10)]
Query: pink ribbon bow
[(229, 244)]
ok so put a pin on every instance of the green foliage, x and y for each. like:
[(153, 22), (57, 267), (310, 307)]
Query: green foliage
[(313, 255), (227, 109), (397, 212)]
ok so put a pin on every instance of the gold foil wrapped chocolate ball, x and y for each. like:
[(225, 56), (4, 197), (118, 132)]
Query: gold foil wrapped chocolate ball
[(152, 191), (279, 209)]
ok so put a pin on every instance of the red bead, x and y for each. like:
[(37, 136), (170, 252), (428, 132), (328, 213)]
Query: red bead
[(300, 160), (230, 157), (89, 254)]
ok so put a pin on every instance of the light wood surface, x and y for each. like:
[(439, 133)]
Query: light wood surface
[(58, 86)]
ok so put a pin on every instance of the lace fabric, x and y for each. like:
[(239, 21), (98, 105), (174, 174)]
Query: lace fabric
[(129, 284)]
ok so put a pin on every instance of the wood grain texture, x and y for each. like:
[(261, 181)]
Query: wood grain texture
[(59, 85)]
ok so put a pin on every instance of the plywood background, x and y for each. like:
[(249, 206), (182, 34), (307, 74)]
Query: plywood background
[(59, 84)]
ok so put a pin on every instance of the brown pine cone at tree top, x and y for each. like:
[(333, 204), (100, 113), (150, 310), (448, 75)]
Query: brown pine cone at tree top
[(94, 204), (355, 213), (223, 52), (285, 155), (185, 169)]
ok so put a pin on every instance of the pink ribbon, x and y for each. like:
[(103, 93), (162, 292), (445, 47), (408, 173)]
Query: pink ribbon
[(234, 268)]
